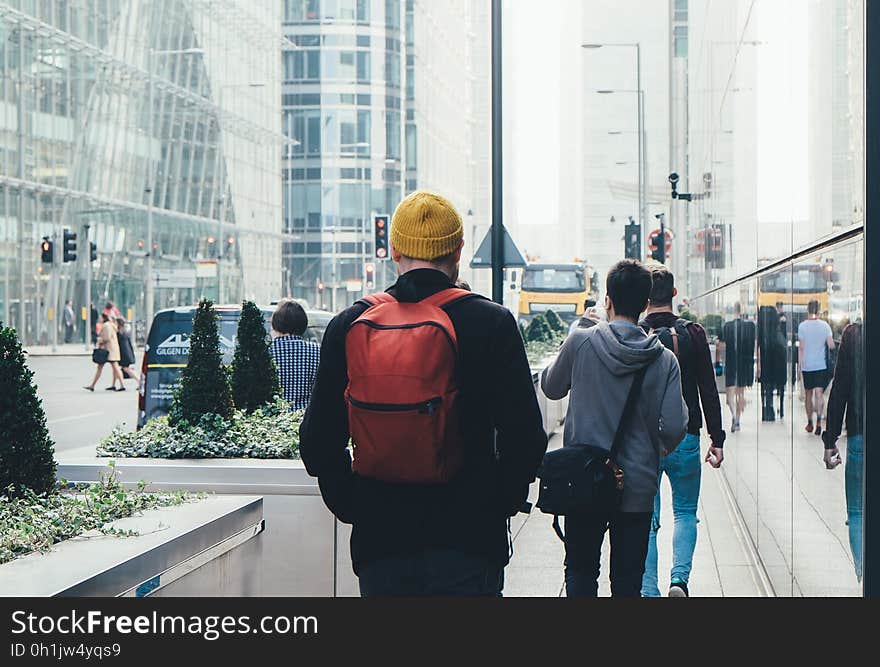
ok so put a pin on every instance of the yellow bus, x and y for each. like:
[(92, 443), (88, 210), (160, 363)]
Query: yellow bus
[(795, 288), (562, 288)]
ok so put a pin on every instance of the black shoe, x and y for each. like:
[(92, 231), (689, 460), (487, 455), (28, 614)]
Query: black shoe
[(109, 388), (92, 389), (678, 589), (818, 430), (121, 389)]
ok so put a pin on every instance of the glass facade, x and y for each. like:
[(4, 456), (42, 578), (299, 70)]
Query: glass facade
[(343, 97), (150, 128), (383, 97), (776, 154)]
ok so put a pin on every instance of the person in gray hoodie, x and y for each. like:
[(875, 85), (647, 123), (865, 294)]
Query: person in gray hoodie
[(596, 365)]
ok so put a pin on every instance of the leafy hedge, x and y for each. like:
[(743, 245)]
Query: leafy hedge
[(31, 522), (543, 336), (270, 432)]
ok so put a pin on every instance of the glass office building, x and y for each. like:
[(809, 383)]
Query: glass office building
[(775, 232), (382, 97), (151, 128)]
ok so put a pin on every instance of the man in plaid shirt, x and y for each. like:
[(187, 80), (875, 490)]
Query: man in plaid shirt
[(296, 359)]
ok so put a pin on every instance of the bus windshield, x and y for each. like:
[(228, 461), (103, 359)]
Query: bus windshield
[(553, 279), (802, 279)]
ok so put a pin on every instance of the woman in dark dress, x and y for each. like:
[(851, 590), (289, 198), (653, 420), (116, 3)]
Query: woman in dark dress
[(737, 340), (127, 357), (771, 360)]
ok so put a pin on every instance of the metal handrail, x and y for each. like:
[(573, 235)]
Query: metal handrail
[(821, 244)]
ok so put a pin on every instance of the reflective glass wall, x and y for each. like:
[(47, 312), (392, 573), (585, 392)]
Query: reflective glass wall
[(152, 129), (776, 133)]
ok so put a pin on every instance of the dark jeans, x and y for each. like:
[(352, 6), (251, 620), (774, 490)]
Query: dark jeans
[(432, 572), (584, 535)]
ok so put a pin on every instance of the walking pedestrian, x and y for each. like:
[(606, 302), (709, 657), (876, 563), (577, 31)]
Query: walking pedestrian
[(772, 363), (94, 323), (69, 321), (815, 339), (107, 341), (127, 358), (598, 366), (690, 345), (847, 397), (295, 358), (737, 342), (433, 387)]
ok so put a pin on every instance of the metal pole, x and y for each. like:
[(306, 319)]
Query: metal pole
[(497, 164), (364, 233), (21, 101), (220, 240), (871, 307), (87, 336), (149, 294), (641, 111)]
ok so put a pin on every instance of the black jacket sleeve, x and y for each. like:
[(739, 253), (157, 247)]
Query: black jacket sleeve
[(705, 372), (841, 389), (324, 434), (520, 438)]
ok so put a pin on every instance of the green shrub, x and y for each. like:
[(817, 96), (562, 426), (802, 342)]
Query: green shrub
[(712, 323), (254, 376), (204, 384), (31, 522), (26, 451), (538, 330), (269, 432), (556, 324)]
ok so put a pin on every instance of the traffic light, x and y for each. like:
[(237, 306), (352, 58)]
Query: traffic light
[(658, 249), (47, 250), (632, 239), (370, 273), (93, 251), (69, 246), (380, 225)]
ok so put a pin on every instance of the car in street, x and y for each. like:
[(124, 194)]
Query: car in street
[(167, 350)]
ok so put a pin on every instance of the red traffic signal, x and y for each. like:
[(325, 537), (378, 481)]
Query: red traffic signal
[(380, 228)]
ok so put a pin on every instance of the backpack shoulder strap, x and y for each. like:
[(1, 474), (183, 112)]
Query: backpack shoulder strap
[(376, 299), (445, 298), (628, 408)]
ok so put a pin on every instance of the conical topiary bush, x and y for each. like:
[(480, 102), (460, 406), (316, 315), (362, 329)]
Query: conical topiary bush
[(254, 377), (538, 330), (204, 383), (26, 450), (555, 323)]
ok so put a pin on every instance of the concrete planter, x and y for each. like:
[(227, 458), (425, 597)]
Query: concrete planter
[(198, 548), (303, 550)]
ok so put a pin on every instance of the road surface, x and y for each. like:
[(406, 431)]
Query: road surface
[(75, 416)]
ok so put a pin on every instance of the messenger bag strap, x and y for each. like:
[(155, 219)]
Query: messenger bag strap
[(628, 408)]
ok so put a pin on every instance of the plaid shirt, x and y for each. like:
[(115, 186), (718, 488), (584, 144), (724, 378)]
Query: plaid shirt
[(297, 363)]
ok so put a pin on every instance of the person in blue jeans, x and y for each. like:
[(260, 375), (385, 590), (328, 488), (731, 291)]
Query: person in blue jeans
[(682, 466), (847, 398)]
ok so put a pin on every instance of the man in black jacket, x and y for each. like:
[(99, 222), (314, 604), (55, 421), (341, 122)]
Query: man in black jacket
[(441, 539), (683, 467)]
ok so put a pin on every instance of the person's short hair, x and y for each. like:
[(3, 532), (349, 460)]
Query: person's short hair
[(813, 307), (105, 317), (662, 285), (628, 285), (109, 305), (290, 318)]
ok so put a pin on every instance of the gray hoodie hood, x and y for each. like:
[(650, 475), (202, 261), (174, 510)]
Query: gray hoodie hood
[(623, 347)]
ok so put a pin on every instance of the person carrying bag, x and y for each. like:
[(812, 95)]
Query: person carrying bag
[(586, 478)]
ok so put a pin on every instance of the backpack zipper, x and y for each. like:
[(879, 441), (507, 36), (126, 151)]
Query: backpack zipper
[(428, 407)]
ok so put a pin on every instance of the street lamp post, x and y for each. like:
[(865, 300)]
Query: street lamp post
[(640, 104)]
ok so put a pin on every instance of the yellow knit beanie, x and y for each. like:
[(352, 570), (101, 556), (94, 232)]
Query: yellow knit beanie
[(426, 226)]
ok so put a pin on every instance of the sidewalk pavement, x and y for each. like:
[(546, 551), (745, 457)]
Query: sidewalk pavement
[(723, 565), (61, 350)]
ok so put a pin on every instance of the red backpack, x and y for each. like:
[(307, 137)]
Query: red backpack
[(402, 391)]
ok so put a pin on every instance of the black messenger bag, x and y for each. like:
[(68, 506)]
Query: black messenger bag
[(585, 478)]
